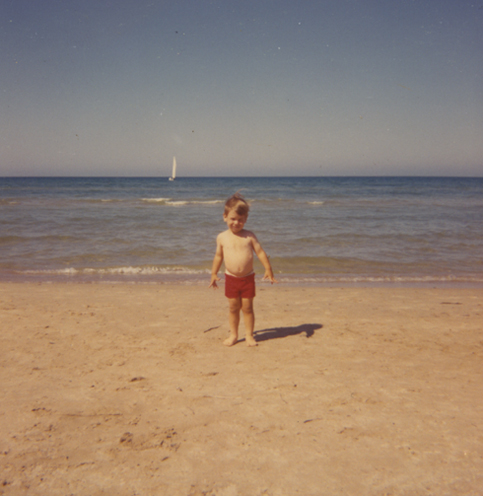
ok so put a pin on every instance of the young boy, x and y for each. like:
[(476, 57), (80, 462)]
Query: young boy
[(235, 246)]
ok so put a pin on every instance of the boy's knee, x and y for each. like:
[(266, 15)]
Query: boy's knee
[(235, 304), (247, 306)]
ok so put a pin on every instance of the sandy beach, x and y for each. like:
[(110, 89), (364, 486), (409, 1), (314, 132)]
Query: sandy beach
[(127, 390)]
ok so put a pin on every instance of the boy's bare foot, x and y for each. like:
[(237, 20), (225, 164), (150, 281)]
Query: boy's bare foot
[(231, 340), (250, 340)]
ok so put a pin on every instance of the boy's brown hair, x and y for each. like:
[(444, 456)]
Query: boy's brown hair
[(237, 203)]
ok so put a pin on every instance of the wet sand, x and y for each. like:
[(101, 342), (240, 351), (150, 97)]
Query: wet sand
[(128, 390)]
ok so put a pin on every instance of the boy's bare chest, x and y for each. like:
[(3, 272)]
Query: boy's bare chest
[(238, 243)]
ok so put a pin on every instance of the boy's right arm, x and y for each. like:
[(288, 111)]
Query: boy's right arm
[(217, 261)]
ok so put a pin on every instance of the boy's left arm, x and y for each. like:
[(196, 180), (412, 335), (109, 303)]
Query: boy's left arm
[(263, 257)]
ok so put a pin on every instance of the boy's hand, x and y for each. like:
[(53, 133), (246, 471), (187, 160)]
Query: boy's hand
[(214, 278), (269, 276)]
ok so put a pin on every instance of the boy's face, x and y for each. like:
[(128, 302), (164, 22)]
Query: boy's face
[(234, 221)]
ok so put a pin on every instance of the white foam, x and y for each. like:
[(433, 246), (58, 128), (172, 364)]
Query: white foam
[(60, 272), (156, 200), (179, 203), (128, 271)]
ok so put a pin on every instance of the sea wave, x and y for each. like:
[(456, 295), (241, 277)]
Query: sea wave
[(15, 240), (180, 203), (186, 275), (155, 200), (303, 279), (68, 201), (119, 271), (7, 240)]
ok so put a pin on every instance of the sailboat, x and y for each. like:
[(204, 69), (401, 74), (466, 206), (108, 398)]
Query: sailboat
[(173, 174)]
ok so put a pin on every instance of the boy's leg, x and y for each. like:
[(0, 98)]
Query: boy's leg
[(249, 319), (234, 305)]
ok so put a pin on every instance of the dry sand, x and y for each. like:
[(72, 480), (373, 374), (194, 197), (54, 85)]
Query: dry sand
[(128, 390)]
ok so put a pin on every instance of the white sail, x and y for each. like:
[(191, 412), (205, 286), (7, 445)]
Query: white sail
[(173, 174)]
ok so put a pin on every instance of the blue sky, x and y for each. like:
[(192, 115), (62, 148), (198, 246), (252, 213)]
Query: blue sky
[(265, 87)]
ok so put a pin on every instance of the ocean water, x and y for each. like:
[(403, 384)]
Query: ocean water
[(366, 230)]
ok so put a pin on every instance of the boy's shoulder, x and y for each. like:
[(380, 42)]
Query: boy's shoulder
[(248, 234), (223, 235)]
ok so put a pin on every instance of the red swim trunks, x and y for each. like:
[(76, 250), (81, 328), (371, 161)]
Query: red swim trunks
[(243, 287)]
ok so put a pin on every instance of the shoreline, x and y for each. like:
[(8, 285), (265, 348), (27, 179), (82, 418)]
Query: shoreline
[(127, 389), (292, 285), (283, 280)]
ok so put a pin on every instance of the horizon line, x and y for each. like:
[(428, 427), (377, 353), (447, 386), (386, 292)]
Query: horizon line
[(427, 176)]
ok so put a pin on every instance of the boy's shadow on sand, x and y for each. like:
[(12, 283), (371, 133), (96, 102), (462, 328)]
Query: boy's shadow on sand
[(283, 332)]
